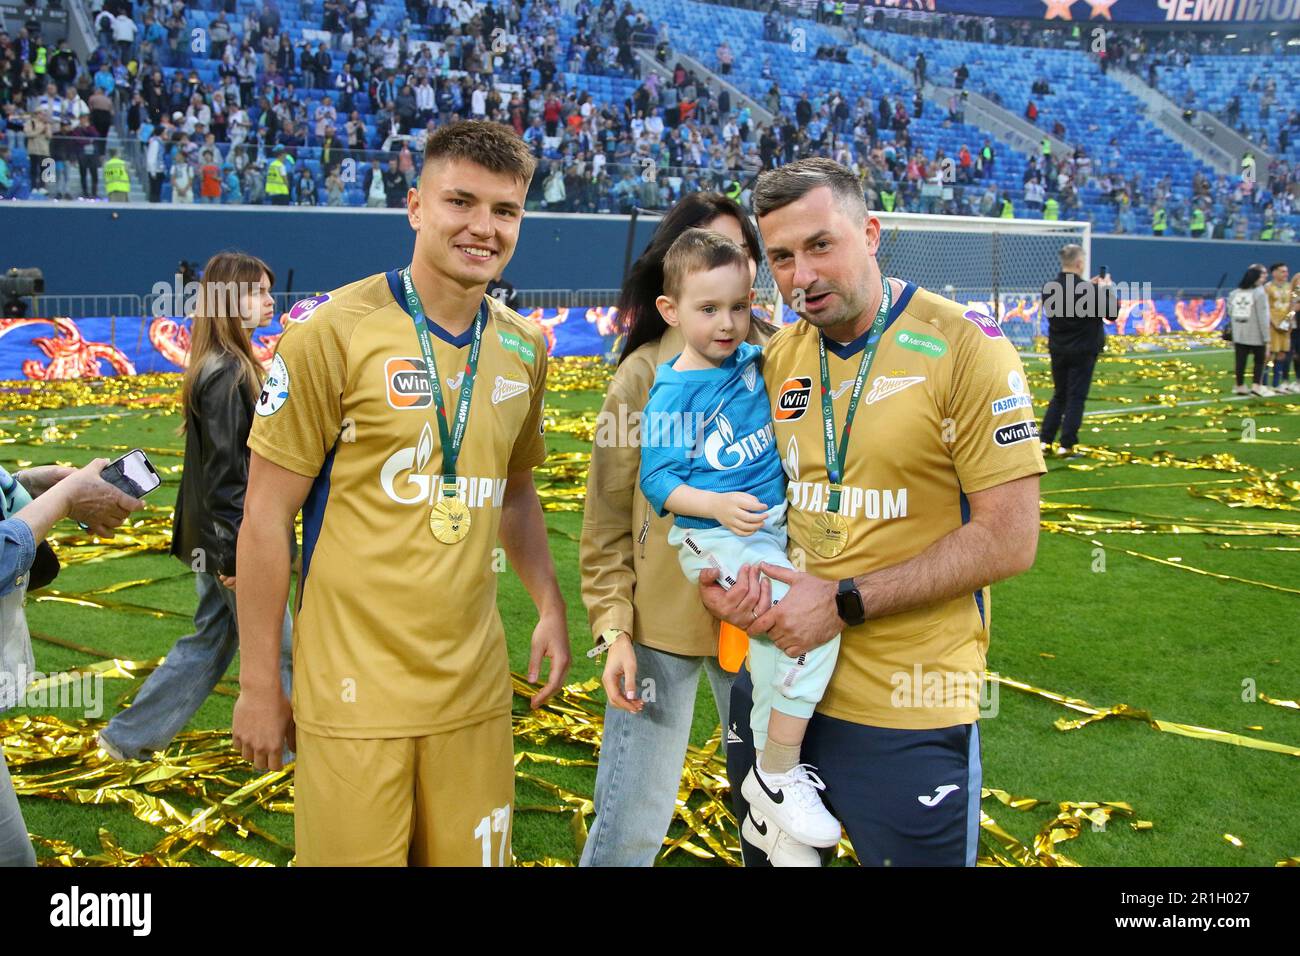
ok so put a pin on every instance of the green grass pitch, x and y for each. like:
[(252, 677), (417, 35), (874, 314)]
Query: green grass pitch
[(1186, 647)]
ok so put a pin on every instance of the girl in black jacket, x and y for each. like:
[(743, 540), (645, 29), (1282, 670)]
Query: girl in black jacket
[(218, 392)]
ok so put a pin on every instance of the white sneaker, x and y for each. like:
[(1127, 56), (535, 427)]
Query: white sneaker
[(1240, 390), (781, 848), (1291, 388), (1263, 391), (109, 748), (790, 801)]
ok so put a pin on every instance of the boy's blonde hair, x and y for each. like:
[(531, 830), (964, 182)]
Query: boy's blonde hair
[(699, 250)]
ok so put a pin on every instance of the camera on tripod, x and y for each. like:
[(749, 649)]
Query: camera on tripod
[(15, 286)]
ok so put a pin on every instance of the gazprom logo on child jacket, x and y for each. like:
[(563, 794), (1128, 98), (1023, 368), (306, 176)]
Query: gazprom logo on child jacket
[(723, 451)]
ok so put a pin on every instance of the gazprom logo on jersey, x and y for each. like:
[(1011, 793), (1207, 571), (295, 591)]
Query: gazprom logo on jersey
[(403, 479), (883, 504), (723, 451)]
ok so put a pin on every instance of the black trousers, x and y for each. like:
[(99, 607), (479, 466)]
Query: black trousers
[(1243, 353), (1071, 379)]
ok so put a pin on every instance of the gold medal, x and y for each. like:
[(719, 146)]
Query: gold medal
[(449, 520), (830, 534)]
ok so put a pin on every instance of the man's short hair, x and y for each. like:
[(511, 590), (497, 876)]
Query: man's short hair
[(699, 250), (494, 147), (1072, 252), (781, 186), (1276, 265)]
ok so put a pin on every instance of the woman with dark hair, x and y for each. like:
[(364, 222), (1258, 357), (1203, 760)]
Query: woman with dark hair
[(1248, 310), (643, 611)]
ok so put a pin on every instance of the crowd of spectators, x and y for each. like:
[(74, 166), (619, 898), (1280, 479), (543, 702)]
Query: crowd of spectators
[(344, 112)]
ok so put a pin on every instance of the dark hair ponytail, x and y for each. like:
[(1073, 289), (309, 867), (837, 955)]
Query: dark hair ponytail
[(639, 320), (1251, 278)]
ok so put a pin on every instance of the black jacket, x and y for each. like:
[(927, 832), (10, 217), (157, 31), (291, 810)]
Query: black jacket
[(1076, 309), (210, 503)]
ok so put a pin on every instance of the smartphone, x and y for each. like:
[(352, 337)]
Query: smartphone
[(133, 473)]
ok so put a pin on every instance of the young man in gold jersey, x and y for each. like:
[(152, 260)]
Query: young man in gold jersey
[(403, 417)]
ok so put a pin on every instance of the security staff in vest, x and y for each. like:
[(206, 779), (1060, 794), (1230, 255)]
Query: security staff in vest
[(888, 198), (1076, 309), (277, 178), (1159, 220), (1051, 209), (1008, 210), (1197, 227), (117, 179)]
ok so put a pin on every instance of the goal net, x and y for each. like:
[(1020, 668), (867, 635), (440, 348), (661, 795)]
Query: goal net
[(999, 265)]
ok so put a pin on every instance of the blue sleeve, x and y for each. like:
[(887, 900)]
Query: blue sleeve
[(663, 454), (17, 552)]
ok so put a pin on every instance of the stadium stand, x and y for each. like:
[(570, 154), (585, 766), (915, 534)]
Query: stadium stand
[(616, 118)]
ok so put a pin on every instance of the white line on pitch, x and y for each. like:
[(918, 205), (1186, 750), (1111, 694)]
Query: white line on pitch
[(1151, 408), (43, 419), (1139, 355)]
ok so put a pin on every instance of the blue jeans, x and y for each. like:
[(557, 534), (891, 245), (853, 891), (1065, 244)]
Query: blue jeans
[(642, 755), (15, 844), (180, 685)]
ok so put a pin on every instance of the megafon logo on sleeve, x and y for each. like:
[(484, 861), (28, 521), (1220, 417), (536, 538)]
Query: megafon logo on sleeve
[(408, 383), (792, 400)]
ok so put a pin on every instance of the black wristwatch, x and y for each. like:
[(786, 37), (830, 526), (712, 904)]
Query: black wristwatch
[(848, 603)]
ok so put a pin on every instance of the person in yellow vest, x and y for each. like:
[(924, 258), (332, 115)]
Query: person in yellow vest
[(1159, 221), (1047, 147), (1197, 228), (1008, 210), (41, 61), (888, 198), (277, 179), (117, 178), (1266, 234), (1051, 209), (839, 12), (734, 190)]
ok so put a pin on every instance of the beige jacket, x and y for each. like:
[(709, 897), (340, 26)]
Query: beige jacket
[(630, 576), (38, 132)]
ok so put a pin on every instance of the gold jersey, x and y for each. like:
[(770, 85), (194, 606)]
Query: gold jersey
[(397, 634), (945, 411)]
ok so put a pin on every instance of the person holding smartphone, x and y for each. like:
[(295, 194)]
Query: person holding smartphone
[(32, 501), (222, 381)]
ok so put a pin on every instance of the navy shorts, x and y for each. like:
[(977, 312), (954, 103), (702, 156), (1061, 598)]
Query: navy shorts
[(905, 797)]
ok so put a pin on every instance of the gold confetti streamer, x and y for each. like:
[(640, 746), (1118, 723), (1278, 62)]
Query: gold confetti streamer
[(1132, 713)]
